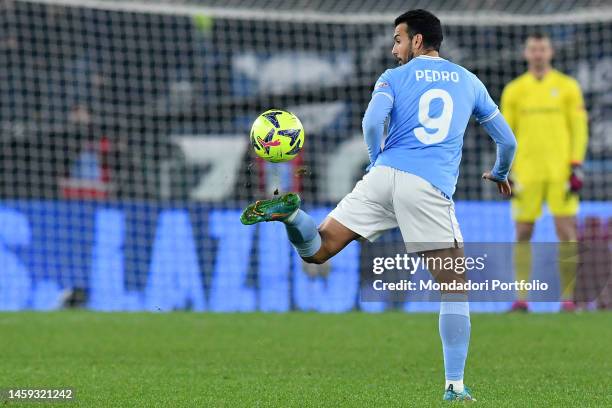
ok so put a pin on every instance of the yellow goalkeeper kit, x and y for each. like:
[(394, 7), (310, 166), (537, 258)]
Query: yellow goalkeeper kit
[(550, 123)]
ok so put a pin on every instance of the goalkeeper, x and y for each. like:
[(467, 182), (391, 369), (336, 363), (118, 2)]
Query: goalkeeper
[(545, 109)]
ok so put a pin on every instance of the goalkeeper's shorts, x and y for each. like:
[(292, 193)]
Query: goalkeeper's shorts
[(528, 199), (387, 198)]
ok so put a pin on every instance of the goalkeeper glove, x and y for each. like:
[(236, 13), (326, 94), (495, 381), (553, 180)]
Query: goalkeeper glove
[(576, 180)]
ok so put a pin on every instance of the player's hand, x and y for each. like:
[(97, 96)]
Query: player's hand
[(503, 187), (576, 180)]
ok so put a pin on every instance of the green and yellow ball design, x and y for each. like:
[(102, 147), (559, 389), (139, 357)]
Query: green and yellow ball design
[(277, 136)]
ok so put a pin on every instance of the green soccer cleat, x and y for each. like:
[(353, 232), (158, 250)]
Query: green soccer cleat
[(274, 209), (451, 395)]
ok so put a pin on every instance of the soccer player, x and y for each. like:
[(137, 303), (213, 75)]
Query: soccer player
[(546, 111), (410, 181)]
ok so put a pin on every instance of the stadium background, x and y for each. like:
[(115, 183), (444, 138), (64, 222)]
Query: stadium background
[(124, 156)]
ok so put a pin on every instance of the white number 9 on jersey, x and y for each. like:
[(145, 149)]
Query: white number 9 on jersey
[(439, 125)]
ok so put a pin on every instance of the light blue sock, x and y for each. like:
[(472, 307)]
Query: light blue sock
[(455, 333), (303, 233)]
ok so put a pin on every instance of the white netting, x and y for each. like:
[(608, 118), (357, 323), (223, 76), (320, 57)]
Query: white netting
[(124, 149)]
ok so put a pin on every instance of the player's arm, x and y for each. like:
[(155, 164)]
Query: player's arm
[(577, 120), (497, 127), (376, 114), (509, 111), (507, 106)]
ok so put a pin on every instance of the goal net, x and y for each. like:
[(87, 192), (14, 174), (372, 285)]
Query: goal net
[(124, 154)]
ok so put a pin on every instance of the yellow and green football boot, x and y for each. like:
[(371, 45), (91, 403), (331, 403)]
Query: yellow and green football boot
[(275, 209)]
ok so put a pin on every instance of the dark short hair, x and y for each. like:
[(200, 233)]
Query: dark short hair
[(538, 35), (423, 22)]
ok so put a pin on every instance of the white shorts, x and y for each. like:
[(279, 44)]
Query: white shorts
[(387, 198)]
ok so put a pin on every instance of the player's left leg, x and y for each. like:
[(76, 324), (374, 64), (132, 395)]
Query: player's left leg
[(564, 207), (312, 244), (334, 237), (566, 228), (364, 212), (567, 259)]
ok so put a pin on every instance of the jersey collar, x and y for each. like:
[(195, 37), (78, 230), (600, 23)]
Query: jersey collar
[(544, 78), (429, 57)]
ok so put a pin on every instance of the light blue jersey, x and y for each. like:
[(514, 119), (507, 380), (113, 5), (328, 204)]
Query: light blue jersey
[(431, 102)]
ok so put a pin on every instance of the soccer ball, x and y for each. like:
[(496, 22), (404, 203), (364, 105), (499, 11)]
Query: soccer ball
[(277, 136)]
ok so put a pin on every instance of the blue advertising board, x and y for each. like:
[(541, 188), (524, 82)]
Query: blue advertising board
[(162, 257)]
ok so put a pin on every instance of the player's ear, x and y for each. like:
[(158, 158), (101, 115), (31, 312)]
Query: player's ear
[(417, 41)]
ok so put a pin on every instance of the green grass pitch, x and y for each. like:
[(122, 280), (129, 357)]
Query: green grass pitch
[(303, 359)]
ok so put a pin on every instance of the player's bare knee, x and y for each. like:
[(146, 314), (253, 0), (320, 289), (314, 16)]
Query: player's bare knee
[(566, 233), (524, 237), (566, 229), (524, 232), (316, 259)]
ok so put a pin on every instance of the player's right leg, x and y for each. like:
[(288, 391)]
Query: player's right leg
[(527, 203), (522, 261), (454, 324)]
